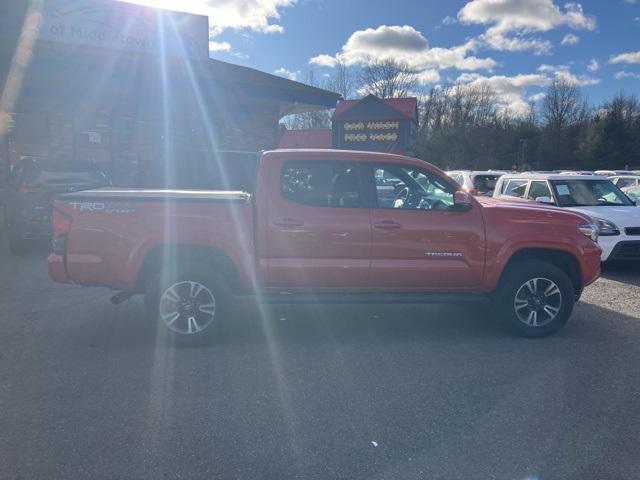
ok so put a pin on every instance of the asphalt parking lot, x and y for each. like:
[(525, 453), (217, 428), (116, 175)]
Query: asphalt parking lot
[(87, 390)]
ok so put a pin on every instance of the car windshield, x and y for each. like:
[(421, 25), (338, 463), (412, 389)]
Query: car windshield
[(589, 193)]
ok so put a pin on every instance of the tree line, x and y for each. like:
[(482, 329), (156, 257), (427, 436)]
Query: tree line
[(466, 126)]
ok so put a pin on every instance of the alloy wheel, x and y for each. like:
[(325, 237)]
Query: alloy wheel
[(538, 302), (187, 307)]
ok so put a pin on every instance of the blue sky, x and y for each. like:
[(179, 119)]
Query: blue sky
[(515, 46)]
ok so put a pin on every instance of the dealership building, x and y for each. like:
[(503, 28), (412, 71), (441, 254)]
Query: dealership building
[(131, 88)]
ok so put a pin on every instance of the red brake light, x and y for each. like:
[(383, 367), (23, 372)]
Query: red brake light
[(472, 191), (61, 223)]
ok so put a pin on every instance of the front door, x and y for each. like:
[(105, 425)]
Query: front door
[(318, 230), (419, 242)]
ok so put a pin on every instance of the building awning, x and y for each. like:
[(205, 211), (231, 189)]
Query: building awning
[(78, 73)]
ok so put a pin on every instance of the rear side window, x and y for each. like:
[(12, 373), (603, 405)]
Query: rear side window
[(539, 189), (43, 178), (515, 188), (625, 182), (322, 184), (485, 183)]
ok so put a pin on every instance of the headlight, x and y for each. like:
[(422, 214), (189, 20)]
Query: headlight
[(605, 227), (590, 230)]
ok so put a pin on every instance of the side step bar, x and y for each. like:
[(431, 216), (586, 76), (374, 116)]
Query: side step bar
[(296, 298)]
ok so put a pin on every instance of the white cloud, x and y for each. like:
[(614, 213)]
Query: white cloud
[(449, 20), (427, 77), (629, 57), (219, 46), (593, 65), (510, 20), (537, 97), (498, 41), (509, 90), (622, 74), (404, 44), (570, 39), (323, 60), (291, 75), (256, 15), (562, 72)]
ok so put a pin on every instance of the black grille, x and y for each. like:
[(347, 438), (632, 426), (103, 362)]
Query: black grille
[(632, 230), (626, 250)]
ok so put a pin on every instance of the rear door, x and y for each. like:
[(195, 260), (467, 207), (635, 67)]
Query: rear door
[(318, 229), (418, 242)]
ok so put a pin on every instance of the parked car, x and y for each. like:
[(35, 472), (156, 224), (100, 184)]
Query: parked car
[(316, 228), (32, 185), (617, 217), (476, 182), (622, 181), (633, 193)]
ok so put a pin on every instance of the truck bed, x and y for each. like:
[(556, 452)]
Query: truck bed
[(113, 230)]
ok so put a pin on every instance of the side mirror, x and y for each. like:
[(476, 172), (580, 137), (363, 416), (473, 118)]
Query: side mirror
[(461, 201), (544, 200)]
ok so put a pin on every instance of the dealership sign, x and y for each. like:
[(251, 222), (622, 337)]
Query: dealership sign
[(122, 26)]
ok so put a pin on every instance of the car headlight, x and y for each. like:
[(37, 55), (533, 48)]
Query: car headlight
[(605, 227), (590, 230)]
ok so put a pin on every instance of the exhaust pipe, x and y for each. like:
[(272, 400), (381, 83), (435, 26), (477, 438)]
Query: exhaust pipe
[(120, 297)]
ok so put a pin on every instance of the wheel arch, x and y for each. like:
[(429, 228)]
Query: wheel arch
[(562, 259), (202, 256)]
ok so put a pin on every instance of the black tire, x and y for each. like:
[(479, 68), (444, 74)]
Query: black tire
[(195, 290), (534, 286)]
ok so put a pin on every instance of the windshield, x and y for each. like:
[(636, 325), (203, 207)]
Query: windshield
[(589, 193)]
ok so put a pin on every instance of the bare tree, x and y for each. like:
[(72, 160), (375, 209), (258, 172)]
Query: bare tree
[(563, 105), (313, 119), (388, 79), (342, 81)]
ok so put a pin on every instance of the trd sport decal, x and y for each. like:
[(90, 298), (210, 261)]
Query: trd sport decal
[(106, 207)]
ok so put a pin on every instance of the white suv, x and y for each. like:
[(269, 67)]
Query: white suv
[(617, 217), (479, 183)]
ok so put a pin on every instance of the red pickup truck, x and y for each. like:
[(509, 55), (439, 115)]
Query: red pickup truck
[(326, 226)]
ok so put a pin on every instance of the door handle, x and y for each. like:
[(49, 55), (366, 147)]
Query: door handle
[(288, 222), (387, 225)]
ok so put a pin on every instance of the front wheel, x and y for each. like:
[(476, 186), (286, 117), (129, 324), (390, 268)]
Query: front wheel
[(535, 298), (188, 303)]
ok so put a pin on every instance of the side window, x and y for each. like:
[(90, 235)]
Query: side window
[(410, 188), (458, 178), (625, 182), (515, 188), (539, 189), (322, 184)]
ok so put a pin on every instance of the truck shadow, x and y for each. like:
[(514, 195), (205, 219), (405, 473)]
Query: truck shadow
[(355, 325), (625, 272)]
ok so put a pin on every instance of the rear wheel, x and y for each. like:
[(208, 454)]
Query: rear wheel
[(535, 298), (188, 303)]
